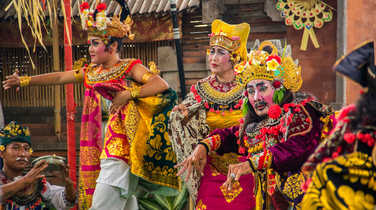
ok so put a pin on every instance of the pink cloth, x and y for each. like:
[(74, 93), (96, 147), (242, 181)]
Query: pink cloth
[(210, 194)]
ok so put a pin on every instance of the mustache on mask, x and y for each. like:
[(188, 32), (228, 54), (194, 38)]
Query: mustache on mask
[(261, 103), (22, 158)]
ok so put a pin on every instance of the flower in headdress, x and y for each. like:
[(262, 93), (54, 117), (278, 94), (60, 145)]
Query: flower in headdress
[(274, 57), (84, 6), (101, 7), (272, 65), (2, 147), (277, 84)]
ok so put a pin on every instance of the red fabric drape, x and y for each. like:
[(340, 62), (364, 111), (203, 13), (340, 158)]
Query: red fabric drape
[(69, 97)]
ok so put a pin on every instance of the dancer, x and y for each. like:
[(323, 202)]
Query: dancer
[(214, 102), (136, 143)]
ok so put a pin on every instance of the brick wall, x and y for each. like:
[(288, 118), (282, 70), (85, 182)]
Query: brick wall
[(361, 26), (318, 76)]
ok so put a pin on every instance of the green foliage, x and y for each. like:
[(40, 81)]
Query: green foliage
[(245, 106), (279, 94), (155, 197)]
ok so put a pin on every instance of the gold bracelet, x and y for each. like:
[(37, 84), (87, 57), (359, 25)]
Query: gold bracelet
[(77, 74), (135, 92), (24, 81), (146, 77)]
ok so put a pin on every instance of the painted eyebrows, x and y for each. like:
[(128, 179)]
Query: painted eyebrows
[(260, 84)]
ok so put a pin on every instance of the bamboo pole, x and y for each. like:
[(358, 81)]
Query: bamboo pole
[(56, 65)]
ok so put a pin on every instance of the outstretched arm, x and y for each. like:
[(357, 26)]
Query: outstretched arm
[(55, 78)]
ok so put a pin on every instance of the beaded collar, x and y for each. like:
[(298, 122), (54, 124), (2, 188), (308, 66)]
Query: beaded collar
[(96, 74), (217, 96)]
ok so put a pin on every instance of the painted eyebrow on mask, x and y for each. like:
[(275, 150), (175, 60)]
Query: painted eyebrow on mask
[(258, 85)]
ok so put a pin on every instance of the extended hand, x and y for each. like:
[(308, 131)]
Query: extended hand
[(235, 171), (182, 109), (12, 81), (197, 160), (35, 173), (121, 98)]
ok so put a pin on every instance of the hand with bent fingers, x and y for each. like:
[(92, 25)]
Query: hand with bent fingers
[(35, 173), (196, 161), (182, 109), (12, 81), (235, 171), (121, 98)]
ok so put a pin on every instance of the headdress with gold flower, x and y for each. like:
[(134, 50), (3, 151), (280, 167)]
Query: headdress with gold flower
[(14, 132), (98, 24), (231, 37), (266, 63)]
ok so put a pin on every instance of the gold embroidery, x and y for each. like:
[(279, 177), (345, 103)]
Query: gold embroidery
[(233, 193), (131, 120), (200, 205), (292, 187)]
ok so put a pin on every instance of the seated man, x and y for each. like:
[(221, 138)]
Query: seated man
[(30, 191)]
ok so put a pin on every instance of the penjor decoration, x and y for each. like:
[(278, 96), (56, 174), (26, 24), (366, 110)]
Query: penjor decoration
[(305, 14)]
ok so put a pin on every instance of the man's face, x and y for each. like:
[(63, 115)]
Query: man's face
[(97, 50), (260, 95), (219, 60), (16, 156)]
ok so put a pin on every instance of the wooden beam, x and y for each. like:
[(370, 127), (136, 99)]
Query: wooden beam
[(56, 65)]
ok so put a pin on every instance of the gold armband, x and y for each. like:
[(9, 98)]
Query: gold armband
[(135, 92), (146, 77), (24, 81), (77, 74)]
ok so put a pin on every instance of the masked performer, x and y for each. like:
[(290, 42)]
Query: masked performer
[(281, 128), (345, 176), (136, 143)]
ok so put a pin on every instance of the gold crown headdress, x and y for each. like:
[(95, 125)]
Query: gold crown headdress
[(268, 65), (98, 24), (231, 37)]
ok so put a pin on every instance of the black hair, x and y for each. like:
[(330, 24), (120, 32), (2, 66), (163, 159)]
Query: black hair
[(365, 113), (113, 40)]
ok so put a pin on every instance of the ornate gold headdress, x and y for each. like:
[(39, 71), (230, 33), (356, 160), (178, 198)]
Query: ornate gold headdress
[(261, 64), (98, 24), (231, 37)]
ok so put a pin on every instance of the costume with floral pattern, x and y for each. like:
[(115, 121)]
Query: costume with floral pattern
[(213, 104)]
